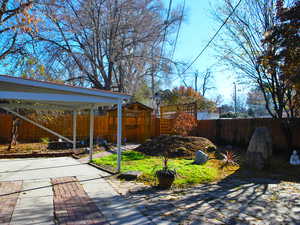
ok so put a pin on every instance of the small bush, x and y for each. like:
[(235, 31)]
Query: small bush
[(230, 159), (234, 115), (184, 124), (45, 140)]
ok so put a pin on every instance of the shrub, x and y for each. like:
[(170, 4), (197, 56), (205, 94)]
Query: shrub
[(184, 124), (234, 115), (230, 159), (228, 115), (45, 140)]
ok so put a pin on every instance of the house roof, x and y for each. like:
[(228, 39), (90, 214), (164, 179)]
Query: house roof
[(33, 91)]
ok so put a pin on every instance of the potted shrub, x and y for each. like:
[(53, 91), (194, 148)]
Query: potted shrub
[(165, 176)]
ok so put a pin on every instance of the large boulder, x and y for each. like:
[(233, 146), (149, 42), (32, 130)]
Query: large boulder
[(259, 150), (200, 157)]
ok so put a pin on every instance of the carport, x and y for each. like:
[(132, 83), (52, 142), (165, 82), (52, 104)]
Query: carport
[(23, 93)]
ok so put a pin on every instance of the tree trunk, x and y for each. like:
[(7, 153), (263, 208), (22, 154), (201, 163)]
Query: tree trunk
[(14, 132)]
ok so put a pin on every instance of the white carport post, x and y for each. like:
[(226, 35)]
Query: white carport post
[(91, 132), (74, 129), (119, 135)]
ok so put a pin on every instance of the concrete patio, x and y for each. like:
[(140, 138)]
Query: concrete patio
[(27, 196)]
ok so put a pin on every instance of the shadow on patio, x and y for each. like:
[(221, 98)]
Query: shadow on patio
[(229, 201)]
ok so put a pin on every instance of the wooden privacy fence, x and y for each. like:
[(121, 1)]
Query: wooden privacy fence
[(138, 124), (137, 127), (141, 125), (239, 131)]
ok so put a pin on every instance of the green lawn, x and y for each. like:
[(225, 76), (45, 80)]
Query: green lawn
[(188, 173)]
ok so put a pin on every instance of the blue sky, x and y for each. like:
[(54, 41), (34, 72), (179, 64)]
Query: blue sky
[(197, 29)]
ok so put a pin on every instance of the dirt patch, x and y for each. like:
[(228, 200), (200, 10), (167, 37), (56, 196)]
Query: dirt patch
[(24, 148), (177, 146), (35, 155), (34, 149)]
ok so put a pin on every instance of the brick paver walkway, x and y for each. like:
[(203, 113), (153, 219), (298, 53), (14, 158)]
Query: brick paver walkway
[(72, 205), (9, 193)]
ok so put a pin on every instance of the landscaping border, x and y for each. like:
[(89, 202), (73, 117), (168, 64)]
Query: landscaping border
[(107, 169), (35, 155)]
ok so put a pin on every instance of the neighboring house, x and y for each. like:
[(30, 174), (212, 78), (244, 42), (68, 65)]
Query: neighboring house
[(207, 115)]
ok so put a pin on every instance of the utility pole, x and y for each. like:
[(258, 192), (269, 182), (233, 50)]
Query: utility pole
[(196, 74)]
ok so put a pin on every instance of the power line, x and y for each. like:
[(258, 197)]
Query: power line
[(211, 40)]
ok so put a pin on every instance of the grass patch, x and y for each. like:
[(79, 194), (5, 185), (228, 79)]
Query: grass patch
[(188, 173)]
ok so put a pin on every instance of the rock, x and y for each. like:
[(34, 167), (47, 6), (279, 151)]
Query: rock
[(259, 150), (255, 160), (200, 158), (130, 175), (77, 151), (55, 145)]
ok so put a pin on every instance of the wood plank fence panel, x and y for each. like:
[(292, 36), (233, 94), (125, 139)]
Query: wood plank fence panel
[(239, 131)]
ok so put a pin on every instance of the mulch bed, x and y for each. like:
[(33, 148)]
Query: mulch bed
[(24, 148), (32, 150), (34, 155), (175, 145)]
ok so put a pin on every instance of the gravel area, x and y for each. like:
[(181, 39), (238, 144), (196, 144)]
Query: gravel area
[(231, 201)]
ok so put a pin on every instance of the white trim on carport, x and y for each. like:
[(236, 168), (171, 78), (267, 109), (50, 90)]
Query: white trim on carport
[(32, 94), (61, 87)]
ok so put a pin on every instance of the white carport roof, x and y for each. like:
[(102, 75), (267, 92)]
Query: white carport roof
[(58, 95), (18, 92)]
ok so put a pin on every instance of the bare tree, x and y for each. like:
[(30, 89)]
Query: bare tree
[(218, 100), (206, 85), (240, 47), (113, 43), (206, 79)]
